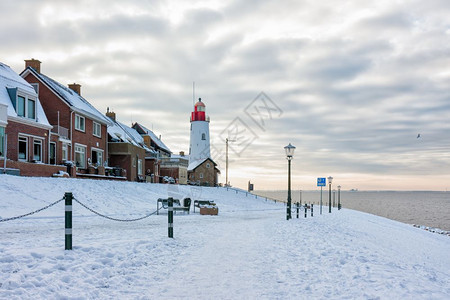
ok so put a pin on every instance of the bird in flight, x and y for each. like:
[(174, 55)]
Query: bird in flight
[(418, 136)]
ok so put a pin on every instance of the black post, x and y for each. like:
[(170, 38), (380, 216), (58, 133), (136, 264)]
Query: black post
[(170, 216), (288, 209), (306, 209), (329, 199), (312, 209), (68, 220), (297, 209)]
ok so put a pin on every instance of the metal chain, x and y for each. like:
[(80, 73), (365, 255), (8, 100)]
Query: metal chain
[(114, 219), (31, 213)]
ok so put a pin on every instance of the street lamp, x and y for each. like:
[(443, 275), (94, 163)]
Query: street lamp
[(289, 155), (226, 159), (330, 180), (339, 197)]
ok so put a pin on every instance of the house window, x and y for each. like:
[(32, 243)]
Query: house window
[(201, 175), (79, 123), (23, 148), (97, 157), (80, 156), (31, 108), (134, 162), (2, 141), (208, 165), (64, 152), (20, 106), (203, 137), (37, 150), (97, 130), (35, 87), (139, 166)]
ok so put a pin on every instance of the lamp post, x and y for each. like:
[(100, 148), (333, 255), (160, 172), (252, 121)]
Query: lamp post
[(289, 156), (330, 180), (339, 197)]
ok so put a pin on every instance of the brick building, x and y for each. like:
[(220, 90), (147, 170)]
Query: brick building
[(126, 149), (203, 172), (79, 133), (24, 128)]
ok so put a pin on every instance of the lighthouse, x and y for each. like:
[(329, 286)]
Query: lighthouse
[(199, 149)]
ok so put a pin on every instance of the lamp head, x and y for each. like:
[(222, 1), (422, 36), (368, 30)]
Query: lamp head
[(289, 151)]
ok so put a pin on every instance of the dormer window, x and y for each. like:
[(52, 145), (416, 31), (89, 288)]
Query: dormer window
[(24, 105)]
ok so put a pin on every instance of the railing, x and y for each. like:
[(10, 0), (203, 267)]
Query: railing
[(61, 131)]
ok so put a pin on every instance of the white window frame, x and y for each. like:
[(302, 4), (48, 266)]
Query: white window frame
[(78, 123), (201, 176), (27, 99), (77, 148), (25, 139), (64, 151), (40, 143), (102, 153), (139, 166), (97, 129)]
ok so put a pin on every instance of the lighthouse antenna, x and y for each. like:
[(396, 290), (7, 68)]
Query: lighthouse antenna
[(193, 94)]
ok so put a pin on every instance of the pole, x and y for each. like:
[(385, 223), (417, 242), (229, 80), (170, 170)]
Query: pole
[(68, 220), (334, 198), (320, 199), (306, 209), (312, 209), (226, 161), (297, 209), (329, 198), (5, 149), (339, 197), (170, 216), (288, 215)]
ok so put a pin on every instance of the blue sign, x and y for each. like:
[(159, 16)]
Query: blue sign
[(321, 181)]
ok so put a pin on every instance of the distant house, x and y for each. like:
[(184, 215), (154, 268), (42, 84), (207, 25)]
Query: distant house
[(126, 149), (24, 128), (203, 172), (153, 160), (79, 132), (175, 166)]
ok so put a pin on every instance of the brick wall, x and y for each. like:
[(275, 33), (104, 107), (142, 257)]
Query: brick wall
[(13, 129), (33, 169), (209, 174)]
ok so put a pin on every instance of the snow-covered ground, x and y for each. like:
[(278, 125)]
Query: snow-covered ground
[(248, 251)]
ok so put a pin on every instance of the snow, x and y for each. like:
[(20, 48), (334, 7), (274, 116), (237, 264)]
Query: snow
[(248, 251), (154, 138), (10, 79), (126, 134)]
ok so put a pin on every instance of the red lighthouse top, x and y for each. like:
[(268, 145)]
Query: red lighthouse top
[(199, 111)]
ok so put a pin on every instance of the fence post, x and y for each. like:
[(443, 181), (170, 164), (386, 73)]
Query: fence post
[(306, 209), (297, 209), (312, 209), (170, 216), (68, 220)]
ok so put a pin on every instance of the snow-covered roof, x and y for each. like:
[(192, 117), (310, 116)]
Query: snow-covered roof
[(193, 165), (154, 138), (11, 80), (123, 133), (74, 100)]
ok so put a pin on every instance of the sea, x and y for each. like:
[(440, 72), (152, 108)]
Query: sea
[(423, 208)]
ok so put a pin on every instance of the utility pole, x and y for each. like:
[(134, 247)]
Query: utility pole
[(226, 159)]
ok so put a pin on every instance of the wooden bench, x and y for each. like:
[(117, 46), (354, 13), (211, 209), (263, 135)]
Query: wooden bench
[(176, 205), (200, 203)]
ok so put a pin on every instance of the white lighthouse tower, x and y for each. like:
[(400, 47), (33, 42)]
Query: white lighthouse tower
[(199, 148)]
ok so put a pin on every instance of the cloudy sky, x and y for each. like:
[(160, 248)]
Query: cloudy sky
[(351, 84)]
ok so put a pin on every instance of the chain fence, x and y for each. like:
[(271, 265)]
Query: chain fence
[(31, 213), (114, 219)]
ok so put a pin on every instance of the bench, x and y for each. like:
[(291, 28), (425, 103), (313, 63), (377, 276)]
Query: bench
[(200, 203), (176, 205)]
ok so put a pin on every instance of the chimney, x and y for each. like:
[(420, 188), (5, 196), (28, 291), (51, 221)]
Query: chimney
[(33, 63), (76, 88), (181, 153), (111, 115)]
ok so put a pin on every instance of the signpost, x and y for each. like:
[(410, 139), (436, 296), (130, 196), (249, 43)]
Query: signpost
[(321, 182)]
